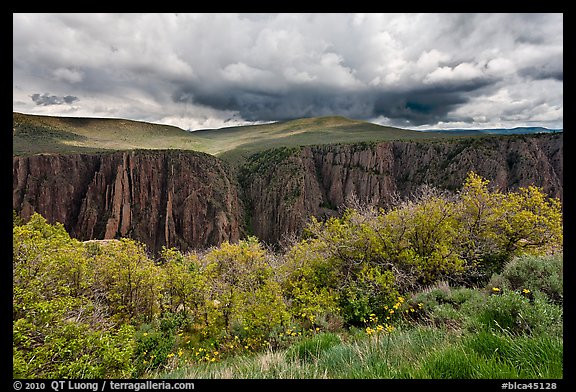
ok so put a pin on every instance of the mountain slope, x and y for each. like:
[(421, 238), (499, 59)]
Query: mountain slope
[(34, 134), (235, 144), (495, 131)]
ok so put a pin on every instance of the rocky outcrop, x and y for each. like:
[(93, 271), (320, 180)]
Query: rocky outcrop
[(284, 189), (191, 200), (183, 199)]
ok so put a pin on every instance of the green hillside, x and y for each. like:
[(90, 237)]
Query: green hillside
[(34, 134), (235, 143)]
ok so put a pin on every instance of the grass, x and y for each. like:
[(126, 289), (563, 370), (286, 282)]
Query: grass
[(33, 134), (461, 333), (46, 134), (423, 352)]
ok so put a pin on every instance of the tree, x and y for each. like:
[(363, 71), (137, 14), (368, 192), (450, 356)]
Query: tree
[(129, 283), (242, 293)]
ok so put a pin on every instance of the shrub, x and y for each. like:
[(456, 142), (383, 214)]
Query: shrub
[(534, 273), (153, 345), (513, 313)]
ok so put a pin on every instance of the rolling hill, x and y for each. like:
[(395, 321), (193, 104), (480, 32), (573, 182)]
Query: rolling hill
[(34, 134)]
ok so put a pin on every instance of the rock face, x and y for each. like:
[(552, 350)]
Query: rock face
[(183, 199), (191, 200), (315, 181)]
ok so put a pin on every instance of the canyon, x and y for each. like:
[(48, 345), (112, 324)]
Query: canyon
[(192, 200)]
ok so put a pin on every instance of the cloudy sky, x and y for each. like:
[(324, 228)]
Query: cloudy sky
[(212, 70)]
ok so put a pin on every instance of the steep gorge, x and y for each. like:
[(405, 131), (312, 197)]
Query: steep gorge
[(183, 199), (284, 190), (193, 200)]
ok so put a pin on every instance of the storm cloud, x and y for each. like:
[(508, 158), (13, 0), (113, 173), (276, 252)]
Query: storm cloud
[(46, 99), (210, 70)]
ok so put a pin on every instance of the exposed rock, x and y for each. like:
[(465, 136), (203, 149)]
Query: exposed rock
[(191, 200), (173, 198), (316, 181)]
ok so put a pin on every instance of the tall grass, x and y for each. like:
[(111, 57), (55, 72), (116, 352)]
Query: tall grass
[(423, 352)]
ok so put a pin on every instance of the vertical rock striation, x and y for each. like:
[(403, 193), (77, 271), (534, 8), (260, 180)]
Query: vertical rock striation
[(191, 200), (183, 199), (283, 191)]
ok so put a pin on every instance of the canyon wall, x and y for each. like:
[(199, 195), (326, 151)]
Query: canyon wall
[(183, 199), (284, 189), (192, 200)]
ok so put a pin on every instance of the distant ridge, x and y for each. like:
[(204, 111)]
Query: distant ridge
[(495, 131), (37, 134), (34, 134)]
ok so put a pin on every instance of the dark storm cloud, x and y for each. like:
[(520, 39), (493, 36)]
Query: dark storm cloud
[(425, 105), (254, 105), (195, 70), (47, 100), (416, 106), (542, 72)]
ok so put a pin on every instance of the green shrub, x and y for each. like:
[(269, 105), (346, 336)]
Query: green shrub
[(152, 348), (514, 313), (535, 273)]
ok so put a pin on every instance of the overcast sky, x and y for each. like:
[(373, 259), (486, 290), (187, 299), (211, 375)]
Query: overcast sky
[(212, 70)]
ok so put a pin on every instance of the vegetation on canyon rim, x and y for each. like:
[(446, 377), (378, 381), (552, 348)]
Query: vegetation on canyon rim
[(477, 275)]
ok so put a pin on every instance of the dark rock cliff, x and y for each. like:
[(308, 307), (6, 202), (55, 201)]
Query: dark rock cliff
[(284, 190), (191, 200), (183, 199)]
